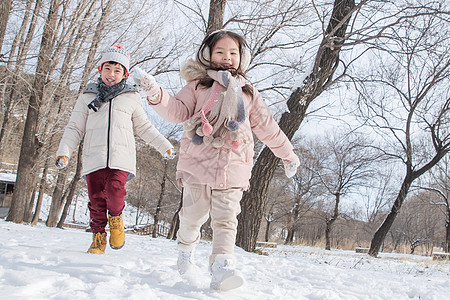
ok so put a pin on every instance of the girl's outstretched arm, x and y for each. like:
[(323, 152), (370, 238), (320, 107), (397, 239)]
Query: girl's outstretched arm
[(175, 109)]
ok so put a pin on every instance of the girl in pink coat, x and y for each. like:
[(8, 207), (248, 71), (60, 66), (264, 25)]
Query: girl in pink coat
[(220, 112)]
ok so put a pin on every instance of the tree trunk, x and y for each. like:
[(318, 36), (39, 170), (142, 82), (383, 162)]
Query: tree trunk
[(9, 104), (29, 211), (267, 234), (290, 229), (158, 205), (382, 231), (290, 235), (19, 63), (293, 219), (175, 221), (73, 187), (18, 42), (447, 232), (216, 12), (327, 234), (5, 8), (140, 201), (75, 209), (321, 77), (252, 203), (30, 143), (37, 210), (57, 199), (330, 222), (42, 188)]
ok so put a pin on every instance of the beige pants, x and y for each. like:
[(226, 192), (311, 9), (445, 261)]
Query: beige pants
[(199, 201)]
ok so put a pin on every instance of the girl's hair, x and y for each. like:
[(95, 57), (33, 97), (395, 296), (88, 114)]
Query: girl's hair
[(208, 44)]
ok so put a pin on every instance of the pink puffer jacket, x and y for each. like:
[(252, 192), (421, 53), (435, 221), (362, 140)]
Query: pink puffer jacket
[(224, 167)]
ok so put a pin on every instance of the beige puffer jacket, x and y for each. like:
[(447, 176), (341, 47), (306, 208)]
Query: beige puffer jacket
[(109, 133)]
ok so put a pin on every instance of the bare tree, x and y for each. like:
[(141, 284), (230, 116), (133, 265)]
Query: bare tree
[(16, 78), (419, 223), (376, 199), (320, 78), (344, 166), (162, 193), (290, 200), (30, 143), (278, 202), (306, 189), (406, 101), (440, 185)]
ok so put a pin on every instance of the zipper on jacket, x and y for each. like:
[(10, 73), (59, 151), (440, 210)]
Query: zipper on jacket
[(109, 133)]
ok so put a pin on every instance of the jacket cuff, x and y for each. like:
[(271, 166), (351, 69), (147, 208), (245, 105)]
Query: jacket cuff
[(154, 95)]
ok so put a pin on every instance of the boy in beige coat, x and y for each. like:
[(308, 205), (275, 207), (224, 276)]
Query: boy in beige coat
[(106, 115), (220, 111)]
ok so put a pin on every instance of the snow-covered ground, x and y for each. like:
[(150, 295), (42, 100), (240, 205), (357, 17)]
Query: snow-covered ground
[(49, 263)]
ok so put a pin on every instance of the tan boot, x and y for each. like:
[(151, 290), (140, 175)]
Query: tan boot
[(98, 245), (117, 235)]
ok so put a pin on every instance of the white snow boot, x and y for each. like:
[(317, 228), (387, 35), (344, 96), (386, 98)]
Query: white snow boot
[(185, 258), (224, 275)]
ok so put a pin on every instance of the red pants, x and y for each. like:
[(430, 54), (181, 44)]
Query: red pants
[(106, 189)]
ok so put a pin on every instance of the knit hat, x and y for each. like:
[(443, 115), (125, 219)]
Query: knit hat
[(117, 54)]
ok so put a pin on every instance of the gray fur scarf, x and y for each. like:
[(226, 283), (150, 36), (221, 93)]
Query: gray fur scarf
[(223, 112)]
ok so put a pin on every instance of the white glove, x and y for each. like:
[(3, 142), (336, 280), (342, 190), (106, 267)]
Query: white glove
[(61, 162), (145, 82), (170, 154), (290, 167)]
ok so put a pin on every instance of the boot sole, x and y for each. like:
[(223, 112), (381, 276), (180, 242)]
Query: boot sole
[(97, 252), (227, 284), (187, 270), (117, 248)]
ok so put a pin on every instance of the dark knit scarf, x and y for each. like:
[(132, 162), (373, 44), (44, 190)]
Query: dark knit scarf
[(106, 93)]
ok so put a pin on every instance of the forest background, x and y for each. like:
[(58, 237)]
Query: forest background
[(361, 89)]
